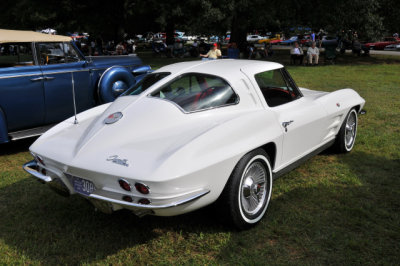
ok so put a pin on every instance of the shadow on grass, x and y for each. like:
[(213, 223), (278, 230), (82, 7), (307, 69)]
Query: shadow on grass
[(52, 229), (348, 220), (14, 147), (345, 220)]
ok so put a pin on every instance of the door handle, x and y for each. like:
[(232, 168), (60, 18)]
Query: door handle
[(49, 78), (285, 124), (37, 79)]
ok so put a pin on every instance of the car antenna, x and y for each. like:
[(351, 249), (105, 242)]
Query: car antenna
[(73, 96)]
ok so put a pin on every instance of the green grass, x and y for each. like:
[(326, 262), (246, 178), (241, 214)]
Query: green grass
[(334, 209)]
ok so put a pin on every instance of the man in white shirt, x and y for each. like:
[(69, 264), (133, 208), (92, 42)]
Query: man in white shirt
[(296, 53), (313, 54)]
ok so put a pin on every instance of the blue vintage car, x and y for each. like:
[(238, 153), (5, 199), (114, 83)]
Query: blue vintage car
[(42, 75), (290, 41)]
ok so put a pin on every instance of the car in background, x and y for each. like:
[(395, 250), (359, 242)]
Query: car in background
[(382, 44), (274, 40), (43, 78), (306, 40), (290, 41), (392, 47), (254, 38), (194, 133)]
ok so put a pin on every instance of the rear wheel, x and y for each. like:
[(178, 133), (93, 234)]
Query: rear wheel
[(248, 191), (347, 134)]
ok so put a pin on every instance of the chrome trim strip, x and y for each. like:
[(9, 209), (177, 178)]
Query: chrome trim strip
[(153, 207), (26, 136), (44, 72), (63, 72), (31, 168), (24, 75), (37, 79)]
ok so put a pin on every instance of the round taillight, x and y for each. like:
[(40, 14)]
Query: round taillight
[(127, 198), (144, 201), (124, 184), (142, 188)]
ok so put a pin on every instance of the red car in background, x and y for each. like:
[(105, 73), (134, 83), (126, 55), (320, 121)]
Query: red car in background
[(381, 45), (306, 40)]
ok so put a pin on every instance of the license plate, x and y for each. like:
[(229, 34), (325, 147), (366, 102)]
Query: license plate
[(83, 186)]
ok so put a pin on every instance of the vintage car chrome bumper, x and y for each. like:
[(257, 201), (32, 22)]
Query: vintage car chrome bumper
[(32, 168), (115, 198)]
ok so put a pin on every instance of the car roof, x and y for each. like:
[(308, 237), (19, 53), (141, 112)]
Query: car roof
[(8, 36), (225, 68)]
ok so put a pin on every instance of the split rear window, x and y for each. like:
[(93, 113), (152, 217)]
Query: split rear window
[(195, 92)]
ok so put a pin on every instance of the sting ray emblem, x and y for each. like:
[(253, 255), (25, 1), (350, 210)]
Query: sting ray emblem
[(115, 159)]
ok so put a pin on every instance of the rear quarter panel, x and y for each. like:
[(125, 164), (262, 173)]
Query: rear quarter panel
[(338, 104), (212, 156)]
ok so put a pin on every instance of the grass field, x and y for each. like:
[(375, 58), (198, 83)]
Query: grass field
[(334, 209)]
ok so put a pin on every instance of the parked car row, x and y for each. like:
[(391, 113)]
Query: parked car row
[(381, 45)]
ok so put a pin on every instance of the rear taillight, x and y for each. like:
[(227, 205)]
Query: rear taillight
[(142, 188), (124, 184)]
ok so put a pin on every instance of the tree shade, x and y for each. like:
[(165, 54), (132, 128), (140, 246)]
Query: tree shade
[(113, 19)]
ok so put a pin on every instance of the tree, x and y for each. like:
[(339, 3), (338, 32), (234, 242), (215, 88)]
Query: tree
[(371, 18)]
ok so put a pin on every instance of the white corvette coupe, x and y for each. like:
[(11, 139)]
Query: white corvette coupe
[(192, 133)]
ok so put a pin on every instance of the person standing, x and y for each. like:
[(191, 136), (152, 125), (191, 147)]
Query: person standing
[(313, 36), (214, 53)]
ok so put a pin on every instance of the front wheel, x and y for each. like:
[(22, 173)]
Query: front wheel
[(248, 191), (347, 134)]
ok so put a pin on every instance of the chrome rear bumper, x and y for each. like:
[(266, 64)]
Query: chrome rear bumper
[(154, 205), (33, 168), (114, 198)]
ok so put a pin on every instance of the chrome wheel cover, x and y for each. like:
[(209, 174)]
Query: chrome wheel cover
[(253, 188), (119, 87), (350, 130)]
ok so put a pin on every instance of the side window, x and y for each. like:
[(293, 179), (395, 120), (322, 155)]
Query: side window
[(16, 55), (276, 87), (57, 53), (195, 92), (70, 53)]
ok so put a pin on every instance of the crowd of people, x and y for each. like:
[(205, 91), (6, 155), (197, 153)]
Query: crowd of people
[(211, 51), (96, 47)]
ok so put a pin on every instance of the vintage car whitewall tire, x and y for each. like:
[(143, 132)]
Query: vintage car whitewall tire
[(247, 194), (347, 134)]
